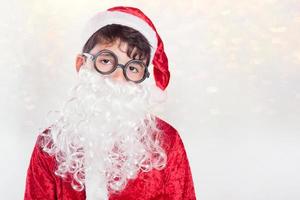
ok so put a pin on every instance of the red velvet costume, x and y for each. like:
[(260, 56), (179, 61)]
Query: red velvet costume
[(173, 182)]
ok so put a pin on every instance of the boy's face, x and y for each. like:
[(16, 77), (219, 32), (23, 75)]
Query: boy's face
[(119, 49)]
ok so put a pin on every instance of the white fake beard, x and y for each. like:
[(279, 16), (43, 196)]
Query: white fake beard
[(106, 132)]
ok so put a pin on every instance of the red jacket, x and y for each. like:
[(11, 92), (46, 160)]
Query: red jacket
[(173, 182)]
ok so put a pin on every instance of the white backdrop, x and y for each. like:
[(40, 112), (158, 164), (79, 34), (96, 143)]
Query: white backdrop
[(234, 93)]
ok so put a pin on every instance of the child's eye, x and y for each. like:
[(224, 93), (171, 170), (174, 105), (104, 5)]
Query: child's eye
[(133, 69), (105, 61)]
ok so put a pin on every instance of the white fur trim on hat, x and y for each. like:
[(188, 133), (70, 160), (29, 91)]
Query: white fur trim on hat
[(102, 19)]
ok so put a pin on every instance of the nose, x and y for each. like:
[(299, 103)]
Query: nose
[(118, 75)]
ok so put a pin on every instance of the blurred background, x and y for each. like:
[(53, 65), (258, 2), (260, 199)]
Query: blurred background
[(234, 94)]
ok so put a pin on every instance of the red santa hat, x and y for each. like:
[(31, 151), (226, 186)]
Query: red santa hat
[(136, 19)]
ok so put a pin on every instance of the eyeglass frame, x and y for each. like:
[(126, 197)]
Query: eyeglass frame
[(94, 58)]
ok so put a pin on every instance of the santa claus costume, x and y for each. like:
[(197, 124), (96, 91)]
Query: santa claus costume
[(105, 144)]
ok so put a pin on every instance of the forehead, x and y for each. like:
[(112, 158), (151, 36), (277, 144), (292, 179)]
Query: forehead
[(107, 45), (118, 47)]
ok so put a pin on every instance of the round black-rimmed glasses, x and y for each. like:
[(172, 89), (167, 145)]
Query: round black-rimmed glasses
[(106, 62)]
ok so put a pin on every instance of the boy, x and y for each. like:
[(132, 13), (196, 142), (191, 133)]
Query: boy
[(105, 144)]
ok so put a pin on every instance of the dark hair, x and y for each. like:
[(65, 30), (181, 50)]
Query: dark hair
[(110, 33)]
